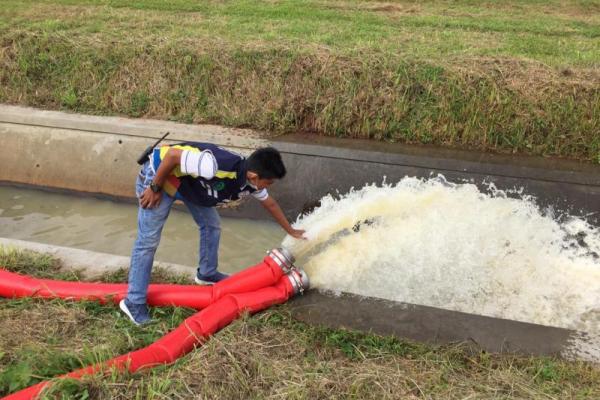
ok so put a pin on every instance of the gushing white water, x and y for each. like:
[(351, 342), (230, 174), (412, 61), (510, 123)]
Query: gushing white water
[(451, 246)]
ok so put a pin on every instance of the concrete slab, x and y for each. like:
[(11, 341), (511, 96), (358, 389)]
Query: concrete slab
[(565, 186), (92, 154), (92, 264), (142, 128), (432, 325)]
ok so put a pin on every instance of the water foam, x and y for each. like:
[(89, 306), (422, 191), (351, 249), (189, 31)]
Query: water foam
[(452, 246)]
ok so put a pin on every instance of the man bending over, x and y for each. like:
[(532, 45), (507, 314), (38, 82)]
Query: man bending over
[(202, 175)]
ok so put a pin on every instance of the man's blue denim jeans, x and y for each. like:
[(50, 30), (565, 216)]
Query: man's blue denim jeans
[(150, 225)]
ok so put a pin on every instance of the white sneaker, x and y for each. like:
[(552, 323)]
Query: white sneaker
[(137, 313), (201, 282)]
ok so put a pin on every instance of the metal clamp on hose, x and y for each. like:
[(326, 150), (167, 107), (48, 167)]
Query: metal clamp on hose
[(283, 258), (299, 280)]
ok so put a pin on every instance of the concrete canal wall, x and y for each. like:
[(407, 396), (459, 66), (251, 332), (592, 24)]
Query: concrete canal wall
[(97, 155)]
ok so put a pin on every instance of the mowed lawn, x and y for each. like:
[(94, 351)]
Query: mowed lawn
[(556, 33)]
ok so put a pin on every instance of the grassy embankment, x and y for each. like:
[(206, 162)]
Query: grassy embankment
[(508, 76), (268, 355)]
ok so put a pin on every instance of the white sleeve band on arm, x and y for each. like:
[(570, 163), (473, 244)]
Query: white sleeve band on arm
[(261, 195), (197, 163)]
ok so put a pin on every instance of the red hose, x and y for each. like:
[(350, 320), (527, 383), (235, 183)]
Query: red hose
[(266, 273), (251, 290), (192, 332)]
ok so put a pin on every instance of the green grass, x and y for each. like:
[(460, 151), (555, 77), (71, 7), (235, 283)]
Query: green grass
[(415, 29), (514, 76), (269, 355)]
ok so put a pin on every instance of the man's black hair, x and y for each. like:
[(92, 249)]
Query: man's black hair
[(266, 163)]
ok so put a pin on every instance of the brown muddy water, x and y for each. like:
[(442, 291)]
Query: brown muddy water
[(110, 227)]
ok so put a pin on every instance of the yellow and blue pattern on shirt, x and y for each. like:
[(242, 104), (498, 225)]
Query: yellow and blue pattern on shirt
[(172, 185)]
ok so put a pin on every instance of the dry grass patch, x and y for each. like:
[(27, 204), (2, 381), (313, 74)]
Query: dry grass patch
[(269, 356), (30, 322), (530, 79), (385, 8), (252, 361)]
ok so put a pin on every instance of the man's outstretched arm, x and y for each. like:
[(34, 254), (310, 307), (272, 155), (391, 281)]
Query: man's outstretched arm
[(273, 208)]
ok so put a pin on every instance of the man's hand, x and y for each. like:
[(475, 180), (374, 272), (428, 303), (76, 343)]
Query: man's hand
[(271, 205), (297, 233), (149, 199)]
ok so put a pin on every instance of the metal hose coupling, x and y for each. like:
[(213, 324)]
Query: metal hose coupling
[(299, 280), (283, 258)]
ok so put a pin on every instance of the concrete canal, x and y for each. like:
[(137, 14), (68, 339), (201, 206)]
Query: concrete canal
[(501, 251)]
